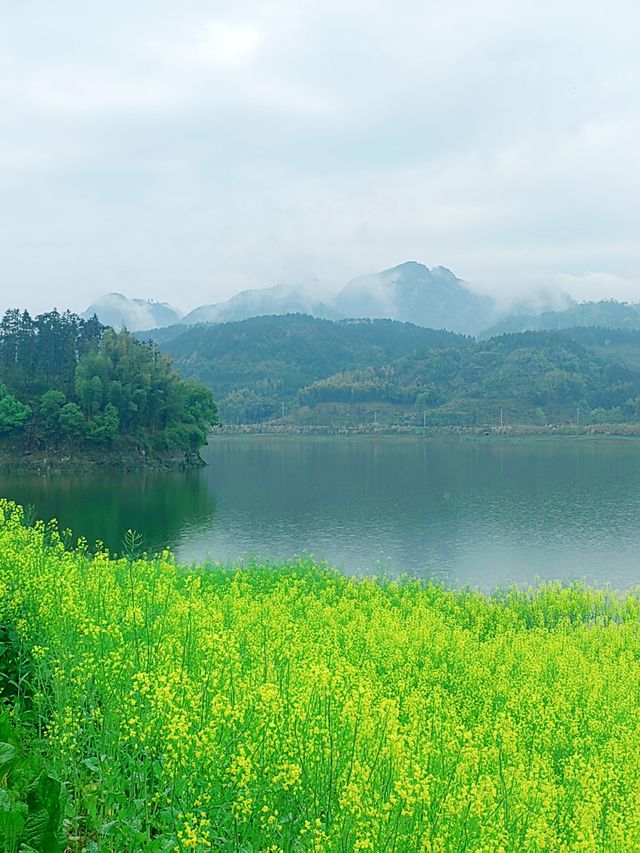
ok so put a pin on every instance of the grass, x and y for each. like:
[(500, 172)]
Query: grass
[(289, 708)]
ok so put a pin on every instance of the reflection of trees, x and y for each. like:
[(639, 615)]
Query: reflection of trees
[(159, 505), (353, 499)]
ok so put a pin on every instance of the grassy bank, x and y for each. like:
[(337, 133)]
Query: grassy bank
[(290, 708)]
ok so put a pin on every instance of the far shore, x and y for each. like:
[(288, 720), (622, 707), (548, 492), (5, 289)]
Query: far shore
[(74, 460), (564, 431)]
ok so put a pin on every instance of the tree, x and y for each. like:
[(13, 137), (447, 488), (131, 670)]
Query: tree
[(73, 423), (90, 378), (49, 406), (13, 415), (104, 427)]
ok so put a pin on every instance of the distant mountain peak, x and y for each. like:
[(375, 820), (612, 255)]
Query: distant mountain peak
[(411, 292), (445, 272), (112, 297), (137, 315), (409, 265), (277, 299)]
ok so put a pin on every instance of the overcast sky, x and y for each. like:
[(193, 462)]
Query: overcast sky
[(187, 150)]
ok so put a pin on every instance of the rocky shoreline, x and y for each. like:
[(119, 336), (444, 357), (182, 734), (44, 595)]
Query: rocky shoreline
[(77, 461)]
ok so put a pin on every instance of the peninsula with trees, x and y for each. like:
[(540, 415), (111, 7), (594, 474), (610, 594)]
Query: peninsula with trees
[(72, 389)]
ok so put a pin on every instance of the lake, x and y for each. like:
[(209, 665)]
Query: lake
[(476, 512)]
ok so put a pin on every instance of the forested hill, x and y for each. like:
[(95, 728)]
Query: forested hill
[(68, 382), (530, 378), (258, 365), (65, 381), (323, 371)]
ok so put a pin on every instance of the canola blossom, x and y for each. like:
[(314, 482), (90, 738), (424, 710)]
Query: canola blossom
[(290, 708)]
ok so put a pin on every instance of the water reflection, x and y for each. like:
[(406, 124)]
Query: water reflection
[(469, 512), (104, 506)]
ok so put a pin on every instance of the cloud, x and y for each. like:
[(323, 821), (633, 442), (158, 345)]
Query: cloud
[(63, 91), (186, 153), (216, 43), (598, 285)]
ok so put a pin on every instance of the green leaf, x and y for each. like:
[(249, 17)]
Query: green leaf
[(5, 801), (8, 754), (35, 829), (92, 765), (11, 823), (42, 826)]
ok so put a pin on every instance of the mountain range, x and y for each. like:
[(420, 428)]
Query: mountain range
[(409, 292)]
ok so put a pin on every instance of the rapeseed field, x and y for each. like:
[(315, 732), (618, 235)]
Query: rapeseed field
[(290, 708)]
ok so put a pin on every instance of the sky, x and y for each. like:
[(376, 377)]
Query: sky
[(186, 151)]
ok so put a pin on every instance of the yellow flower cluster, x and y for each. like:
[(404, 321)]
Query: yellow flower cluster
[(289, 708)]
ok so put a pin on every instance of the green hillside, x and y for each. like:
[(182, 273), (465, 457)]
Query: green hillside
[(258, 365), (621, 345), (326, 372), (533, 377)]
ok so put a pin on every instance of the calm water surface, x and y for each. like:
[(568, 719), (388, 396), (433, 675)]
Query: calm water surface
[(484, 513)]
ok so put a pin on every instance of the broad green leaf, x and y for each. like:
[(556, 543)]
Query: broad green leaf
[(8, 754)]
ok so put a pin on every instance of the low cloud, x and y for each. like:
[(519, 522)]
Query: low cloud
[(600, 285)]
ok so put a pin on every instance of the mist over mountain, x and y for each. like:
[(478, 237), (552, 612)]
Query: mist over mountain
[(411, 292), (279, 299), (607, 314), (539, 301), (434, 298), (137, 315)]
